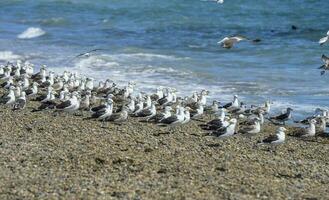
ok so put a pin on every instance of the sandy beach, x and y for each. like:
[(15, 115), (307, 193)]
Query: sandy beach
[(65, 157)]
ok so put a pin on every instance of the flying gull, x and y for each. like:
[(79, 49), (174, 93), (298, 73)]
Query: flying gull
[(325, 67), (228, 42), (325, 39), (217, 1)]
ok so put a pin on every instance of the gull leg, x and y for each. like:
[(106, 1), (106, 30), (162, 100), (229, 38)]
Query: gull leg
[(103, 123)]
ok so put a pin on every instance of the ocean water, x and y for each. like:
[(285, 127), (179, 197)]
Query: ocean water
[(174, 43)]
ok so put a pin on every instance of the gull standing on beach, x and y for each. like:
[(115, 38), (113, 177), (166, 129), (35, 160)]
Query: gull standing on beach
[(283, 117), (325, 39), (234, 104), (309, 131), (70, 105), (252, 129), (276, 139), (162, 115), (9, 98), (20, 102), (218, 122), (227, 130), (228, 42)]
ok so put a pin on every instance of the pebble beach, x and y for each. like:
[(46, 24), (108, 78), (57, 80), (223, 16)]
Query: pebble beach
[(63, 157)]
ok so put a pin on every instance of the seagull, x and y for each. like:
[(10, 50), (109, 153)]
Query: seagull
[(276, 139), (70, 105), (197, 112), (212, 109), (325, 39), (120, 116), (85, 102), (51, 104), (322, 126), (8, 83), (87, 54), (217, 123), (325, 67), (314, 116), (187, 115), (163, 115), (175, 119), (283, 117), (9, 98), (105, 112), (228, 42), (20, 102), (251, 129), (100, 107), (217, 1), (32, 91), (309, 131), (234, 104), (147, 112), (138, 108), (228, 130)]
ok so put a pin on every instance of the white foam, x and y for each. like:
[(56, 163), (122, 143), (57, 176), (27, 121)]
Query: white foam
[(122, 68), (9, 56), (145, 56), (31, 32)]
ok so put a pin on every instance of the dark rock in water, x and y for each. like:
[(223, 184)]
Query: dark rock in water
[(293, 27)]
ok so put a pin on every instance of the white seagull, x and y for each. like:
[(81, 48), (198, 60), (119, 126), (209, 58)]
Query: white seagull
[(325, 39), (70, 105), (228, 130), (9, 98), (276, 139), (309, 131), (228, 42)]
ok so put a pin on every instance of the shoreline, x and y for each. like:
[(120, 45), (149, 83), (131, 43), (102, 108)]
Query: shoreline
[(44, 156)]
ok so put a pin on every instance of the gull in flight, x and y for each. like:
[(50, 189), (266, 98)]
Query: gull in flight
[(228, 42), (85, 54), (325, 66), (325, 39), (217, 1)]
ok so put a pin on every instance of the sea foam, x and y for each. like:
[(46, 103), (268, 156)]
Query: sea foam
[(9, 56)]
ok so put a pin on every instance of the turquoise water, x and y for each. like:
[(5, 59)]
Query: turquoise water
[(173, 43)]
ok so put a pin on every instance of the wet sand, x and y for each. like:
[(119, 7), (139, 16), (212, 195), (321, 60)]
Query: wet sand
[(49, 157)]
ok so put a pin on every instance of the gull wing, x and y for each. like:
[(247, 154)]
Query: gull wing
[(325, 59), (323, 40), (270, 139)]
